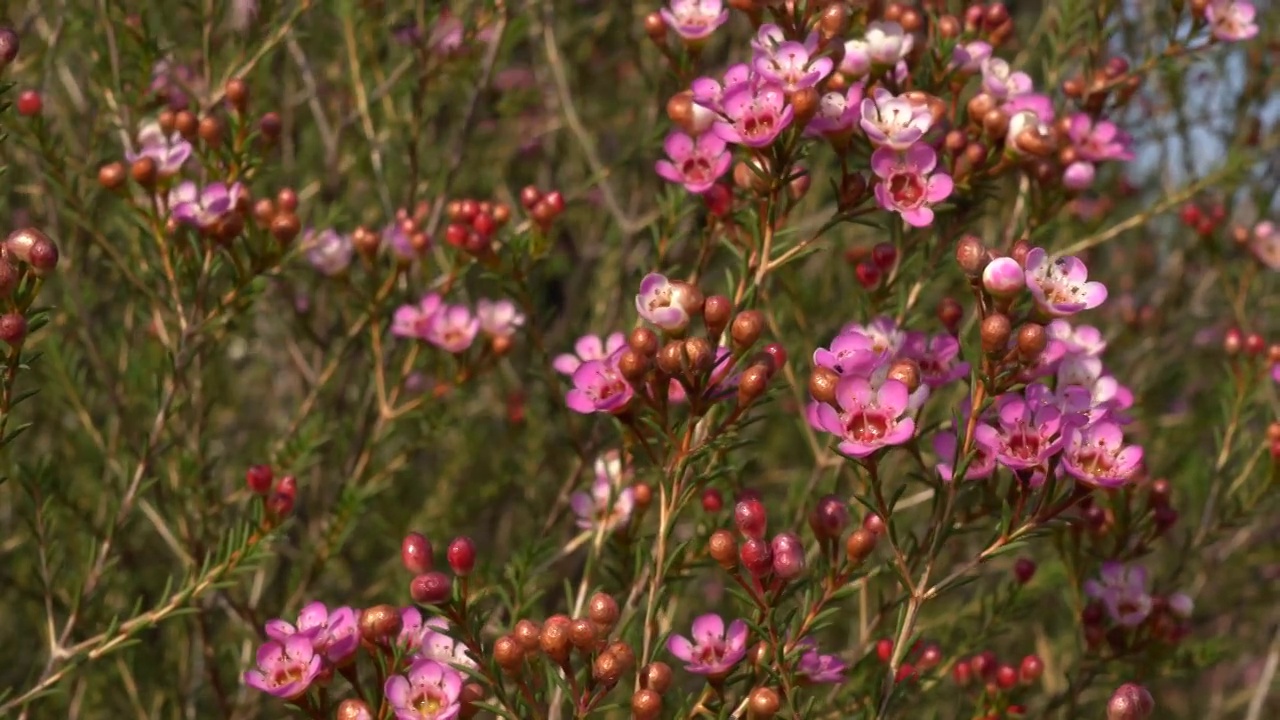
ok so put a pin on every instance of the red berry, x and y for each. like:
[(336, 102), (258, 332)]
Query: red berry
[(13, 328), (884, 255), (1190, 215), (829, 517), (484, 224), (757, 557), (1006, 677), (961, 673), (555, 201), (30, 103), (456, 234), (712, 500), (930, 657), (462, 556), (280, 504), (415, 553), (750, 517), (1024, 569), (719, 200), (1031, 669), (431, 588), (906, 671), (259, 478), (288, 485), (467, 210), (884, 649), (983, 664), (874, 523), (868, 274), (777, 354)]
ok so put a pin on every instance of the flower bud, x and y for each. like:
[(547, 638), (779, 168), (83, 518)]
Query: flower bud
[(1031, 342), (1024, 569), (554, 640), (112, 176), (757, 557), (822, 385), (995, 332), (646, 705), (716, 313), (971, 256), (508, 654), (829, 518), (353, 709), (210, 130), (688, 296), (723, 549), (380, 624), (582, 633), (671, 358), (750, 517), (641, 494), (237, 92), (1006, 677), (285, 227), (187, 124), (699, 353), (461, 556), (680, 110), (995, 124), (606, 669), (9, 45), (1130, 702), (1030, 670), (13, 329), (746, 328), (884, 255), (1003, 278), (656, 676), (603, 611), (415, 553), (788, 555), (527, 633), (632, 365), (258, 478), (978, 107), (860, 545), (752, 384), (624, 653), (644, 341), (472, 695), (270, 126), (656, 28), (930, 657), (431, 588), (804, 104), (763, 704), (907, 372)]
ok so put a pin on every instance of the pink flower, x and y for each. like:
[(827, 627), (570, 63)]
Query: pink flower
[(606, 508), (1098, 456), (1060, 287), (969, 57), (695, 163), (664, 303), (869, 418), (588, 348), (695, 19), (168, 152), (884, 332), (453, 328), (1098, 141), (1003, 277), (1080, 339), (709, 92), (791, 66), (981, 465), (1232, 20), (711, 649), (334, 635), (414, 321), (755, 114), (838, 113), (857, 59), (818, 668), (938, 357), (498, 318), (908, 184), (285, 668), (1123, 591), (1079, 175), (1030, 431), (1039, 105), (893, 121), (888, 43), (852, 352), (1002, 82), (328, 251), (598, 386), (429, 691), (1264, 242), (434, 643)]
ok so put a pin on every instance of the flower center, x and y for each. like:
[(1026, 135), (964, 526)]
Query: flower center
[(696, 169), (428, 704), (1024, 444), (867, 427), (758, 123), (709, 653), (907, 189)]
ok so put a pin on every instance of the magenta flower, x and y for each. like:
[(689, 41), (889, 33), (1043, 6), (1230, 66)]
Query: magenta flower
[(214, 202), (908, 184), (664, 303), (1123, 592), (171, 81), (1232, 20), (328, 251), (1039, 105), (884, 332), (285, 668), (499, 318), (599, 387), (709, 92), (588, 348), (1098, 456), (838, 114), (447, 36), (1079, 175), (400, 243), (411, 629), (429, 692), (1003, 277), (888, 43), (414, 321), (695, 19), (1060, 287), (1029, 433), (853, 353), (1098, 141), (893, 121), (938, 357), (1264, 243), (333, 634), (869, 418), (969, 57), (695, 163), (817, 668), (169, 153), (710, 649), (452, 328), (755, 114), (981, 465), (791, 66), (1079, 339), (606, 508), (1001, 82), (434, 643)]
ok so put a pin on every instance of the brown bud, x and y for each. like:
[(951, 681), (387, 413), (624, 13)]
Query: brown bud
[(995, 123), (699, 353), (270, 126), (995, 332), (112, 176), (971, 255), (641, 494), (834, 20), (1031, 342), (763, 704), (508, 653), (671, 358), (716, 312), (607, 670), (687, 296), (353, 709), (472, 693), (804, 104), (752, 174), (187, 124), (603, 611), (758, 654), (822, 384), (746, 328), (646, 705), (287, 200), (723, 548), (860, 545), (264, 211), (754, 381), (633, 365), (237, 92), (1019, 252), (13, 329), (949, 26), (911, 20), (955, 141), (210, 130), (143, 171), (656, 676), (626, 656), (644, 341), (9, 45), (380, 624), (979, 105), (8, 278), (528, 634), (285, 227), (893, 12), (907, 372), (554, 640), (680, 110), (656, 28), (582, 633)]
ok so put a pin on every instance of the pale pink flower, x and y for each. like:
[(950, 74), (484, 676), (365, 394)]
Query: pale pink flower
[(888, 43), (499, 318), (695, 19), (1061, 286), (1123, 592), (1097, 455), (695, 163), (908, 184), (588, 348), (1001, 81), (893, 121), (453, 328), (1232, 20)]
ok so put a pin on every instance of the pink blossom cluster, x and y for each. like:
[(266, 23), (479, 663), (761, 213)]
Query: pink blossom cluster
[(454, 328)]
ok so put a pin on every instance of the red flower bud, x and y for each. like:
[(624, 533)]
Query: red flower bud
[(462, 556), (431, 588), (415, 553)]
